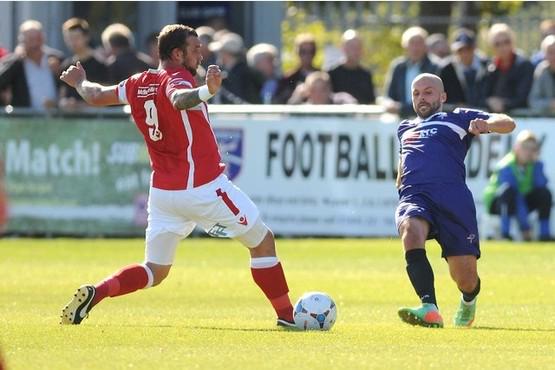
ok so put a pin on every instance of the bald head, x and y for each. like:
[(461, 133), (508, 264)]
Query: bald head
[(428, 79), (428, 94), (352, 48)]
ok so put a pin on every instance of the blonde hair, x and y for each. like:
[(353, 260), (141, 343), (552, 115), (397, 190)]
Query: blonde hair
[(304, 38), (525, 135), (500, 29), (259, 50), (547, 42), (317, 76), (31, 24), (413, 32), (116, 30)]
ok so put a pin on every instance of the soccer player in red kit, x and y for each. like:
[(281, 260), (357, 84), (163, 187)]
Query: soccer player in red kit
[(188, 186)]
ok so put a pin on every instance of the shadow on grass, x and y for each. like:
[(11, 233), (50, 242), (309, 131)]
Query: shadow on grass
[(512, 329), (280, 329), (277, 329)]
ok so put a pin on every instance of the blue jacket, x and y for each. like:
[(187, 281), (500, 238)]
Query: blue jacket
[(507, 176), (523, 183)]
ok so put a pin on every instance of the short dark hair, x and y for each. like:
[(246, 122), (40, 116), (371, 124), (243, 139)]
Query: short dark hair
[(119, 40), (73, 24), (173, 36)]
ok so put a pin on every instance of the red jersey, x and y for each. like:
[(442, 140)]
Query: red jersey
[(181, 144)]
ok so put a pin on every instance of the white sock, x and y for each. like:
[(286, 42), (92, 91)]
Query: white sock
[(263, 262), (149, 274)]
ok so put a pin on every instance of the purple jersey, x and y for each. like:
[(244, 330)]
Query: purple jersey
[(433, 150)]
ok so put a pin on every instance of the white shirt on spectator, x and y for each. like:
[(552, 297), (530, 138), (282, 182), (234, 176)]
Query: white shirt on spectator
[(39, 82)]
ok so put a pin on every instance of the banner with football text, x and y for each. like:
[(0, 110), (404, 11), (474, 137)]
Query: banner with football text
[(309, 175), (336, 175)]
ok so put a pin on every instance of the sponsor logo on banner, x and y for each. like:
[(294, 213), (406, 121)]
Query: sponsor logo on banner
[(230, 141)]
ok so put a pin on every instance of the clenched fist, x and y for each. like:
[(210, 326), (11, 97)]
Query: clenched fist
[(74, 75), (478, 126), (213, 78)]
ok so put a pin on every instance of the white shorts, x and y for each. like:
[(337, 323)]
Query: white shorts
[(219, 207)]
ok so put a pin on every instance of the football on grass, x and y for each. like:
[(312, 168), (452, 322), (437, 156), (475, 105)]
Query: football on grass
[(315, 311)]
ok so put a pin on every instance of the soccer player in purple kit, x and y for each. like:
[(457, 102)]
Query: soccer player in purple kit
[(434, 201)]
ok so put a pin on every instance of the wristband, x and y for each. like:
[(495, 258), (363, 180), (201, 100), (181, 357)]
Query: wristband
[(204, 93)]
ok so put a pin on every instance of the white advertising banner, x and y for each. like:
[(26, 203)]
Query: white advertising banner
[(335, 175), (310, 174)]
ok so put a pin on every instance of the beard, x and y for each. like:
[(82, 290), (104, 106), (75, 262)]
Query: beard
[(192, 70), (426, 110)]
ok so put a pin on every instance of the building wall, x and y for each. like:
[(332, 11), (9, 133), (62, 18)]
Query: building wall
[(150, 16), (261, 20), (6, 31), (266, 21)]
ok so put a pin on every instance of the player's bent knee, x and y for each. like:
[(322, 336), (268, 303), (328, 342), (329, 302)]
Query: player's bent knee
[(159, 272), (413, 234), (267, 248), (466, 279), (255, 235)]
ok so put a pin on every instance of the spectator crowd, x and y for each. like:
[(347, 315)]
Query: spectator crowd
[(504, 81)]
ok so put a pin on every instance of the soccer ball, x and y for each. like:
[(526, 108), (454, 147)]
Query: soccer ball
[(315, 311)]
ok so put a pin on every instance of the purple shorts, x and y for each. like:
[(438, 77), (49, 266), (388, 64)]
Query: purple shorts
[(450, 211)]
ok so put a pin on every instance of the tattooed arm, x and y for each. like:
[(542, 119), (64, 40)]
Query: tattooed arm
[(188, 98), (93, 93)]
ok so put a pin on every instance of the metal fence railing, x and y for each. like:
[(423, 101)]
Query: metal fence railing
[(345, 110)]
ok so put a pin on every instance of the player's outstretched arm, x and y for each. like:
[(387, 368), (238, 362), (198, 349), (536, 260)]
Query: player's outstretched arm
[(93, 93), (188, 98), (501, 124), (498, 123)]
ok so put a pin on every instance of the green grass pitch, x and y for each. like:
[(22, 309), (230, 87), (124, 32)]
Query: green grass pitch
[(209, 314)]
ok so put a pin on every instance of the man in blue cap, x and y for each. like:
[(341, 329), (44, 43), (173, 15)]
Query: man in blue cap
[(463, 75)]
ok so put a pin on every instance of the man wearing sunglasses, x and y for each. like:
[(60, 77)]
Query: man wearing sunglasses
[(509, 78), (305, 47)]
